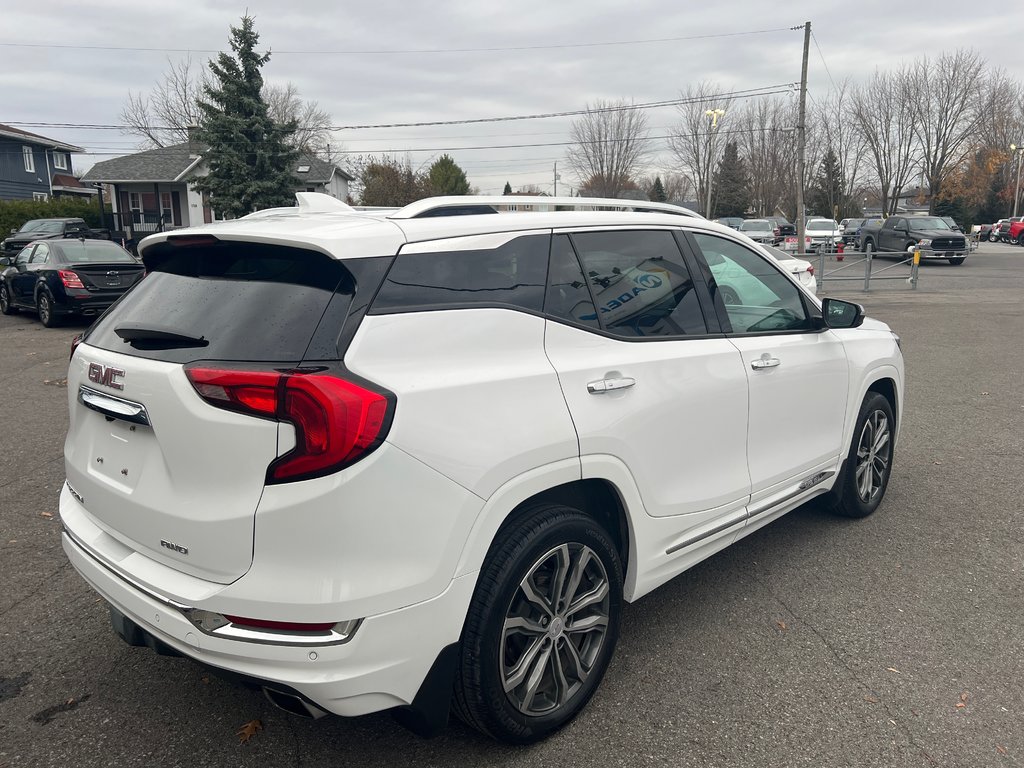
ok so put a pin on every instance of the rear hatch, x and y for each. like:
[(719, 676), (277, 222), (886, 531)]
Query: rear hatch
[(153, 463)]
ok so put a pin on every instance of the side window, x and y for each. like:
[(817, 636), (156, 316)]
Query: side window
[(755, 296), (512, 274), (568, 296), (42, 254), (23, 256), (640, 284)]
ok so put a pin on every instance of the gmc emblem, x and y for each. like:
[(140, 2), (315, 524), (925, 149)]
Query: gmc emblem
[(100, 374)]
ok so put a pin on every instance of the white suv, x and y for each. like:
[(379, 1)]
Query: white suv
[(399, 460)]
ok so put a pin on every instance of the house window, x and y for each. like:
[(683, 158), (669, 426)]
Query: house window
[(60, 161), (135, 204), (41, 197), (30, 161), (166, 211)]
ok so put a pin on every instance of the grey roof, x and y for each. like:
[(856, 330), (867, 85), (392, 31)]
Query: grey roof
[(162, 164), (10, 132), (319, 170)]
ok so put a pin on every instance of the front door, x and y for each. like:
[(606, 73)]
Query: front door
[(24, 281), (797, 370)]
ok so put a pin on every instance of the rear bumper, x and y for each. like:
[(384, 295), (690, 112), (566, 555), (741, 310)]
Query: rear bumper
[(381, 666)]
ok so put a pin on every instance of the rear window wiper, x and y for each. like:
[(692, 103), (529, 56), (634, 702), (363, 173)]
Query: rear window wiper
[(156, 336)]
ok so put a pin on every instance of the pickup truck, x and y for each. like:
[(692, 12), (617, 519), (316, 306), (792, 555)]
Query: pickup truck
[(48, 229), (929, 234), (1016, 232)]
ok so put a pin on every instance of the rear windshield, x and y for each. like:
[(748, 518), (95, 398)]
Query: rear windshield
[(96, 251), (238, 301), (756, 225)]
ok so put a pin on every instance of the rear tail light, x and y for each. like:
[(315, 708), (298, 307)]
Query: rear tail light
[(70, 279), (810, 271), (337, 422), (74, 345)]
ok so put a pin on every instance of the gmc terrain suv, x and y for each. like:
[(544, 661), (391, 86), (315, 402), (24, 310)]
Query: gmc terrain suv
[(402, 460)]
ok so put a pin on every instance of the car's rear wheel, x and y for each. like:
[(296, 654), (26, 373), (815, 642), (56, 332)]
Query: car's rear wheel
[(869, 462), (956, 261), (542, 626), (1020, 238), (5, 300), (45, 306)]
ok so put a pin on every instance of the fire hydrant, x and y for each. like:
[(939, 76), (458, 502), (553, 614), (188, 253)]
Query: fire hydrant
[(839, 251)]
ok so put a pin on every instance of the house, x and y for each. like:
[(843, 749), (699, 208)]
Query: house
[(155, 189), (33, 167)]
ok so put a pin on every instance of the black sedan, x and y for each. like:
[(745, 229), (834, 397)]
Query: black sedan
[(57, 278)]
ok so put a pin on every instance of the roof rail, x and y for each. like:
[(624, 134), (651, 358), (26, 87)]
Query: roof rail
[(424, 207)]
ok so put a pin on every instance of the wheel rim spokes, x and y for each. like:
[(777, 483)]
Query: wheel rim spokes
[(873, 453), (554, 629)]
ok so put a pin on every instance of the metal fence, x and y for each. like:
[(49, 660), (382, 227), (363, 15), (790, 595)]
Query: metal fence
[(862, 267)]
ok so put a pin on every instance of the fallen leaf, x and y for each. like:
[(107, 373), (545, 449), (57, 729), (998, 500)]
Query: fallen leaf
[(248, 730), (781, 624), (893, 669), (937, 463), (871, 699), (964, 697), (205, 679), (46, 514), (1000, 749), (984, 393), (960, 705)]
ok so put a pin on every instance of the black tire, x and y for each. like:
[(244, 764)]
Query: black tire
[(523, 551), (849, 498), (44, 305), (869, 248), (956, 261), (1020, 238), (5, 300), (729, 295)]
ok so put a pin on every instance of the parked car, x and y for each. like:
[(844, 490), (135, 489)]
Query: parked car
[(801, 269), (929, 234), (824, 234), (868, 225), (984, 231), (58, 278), (783, 226), (48, 229), (1002, 234), (733, 222), (790, 244), (848, 230), (759, 230), (372, 462), (1016, 233)]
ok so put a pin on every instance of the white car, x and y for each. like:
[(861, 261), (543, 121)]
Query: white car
[(419, 462), (801, 269), (824, 233), (759, 230)]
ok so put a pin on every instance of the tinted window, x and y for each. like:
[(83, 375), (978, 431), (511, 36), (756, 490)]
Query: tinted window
[(754, 295), (568, 296), (640, 284), (41, 255), (511, 275), (100, 251), (248, 301)]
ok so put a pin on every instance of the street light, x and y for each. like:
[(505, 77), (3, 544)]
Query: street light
[(1020, 158), (714, 114)]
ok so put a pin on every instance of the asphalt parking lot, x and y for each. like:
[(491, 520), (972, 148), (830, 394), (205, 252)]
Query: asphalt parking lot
[(893, 641)]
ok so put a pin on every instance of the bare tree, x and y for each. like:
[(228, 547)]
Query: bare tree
[(678, 187), (834, 119), (945, 99), (610, 144), (767, 140), (164, 116), (883, 114), (697, 140)]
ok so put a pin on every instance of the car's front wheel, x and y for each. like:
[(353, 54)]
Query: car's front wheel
[(869, 462), (5, 300), (542, 626)]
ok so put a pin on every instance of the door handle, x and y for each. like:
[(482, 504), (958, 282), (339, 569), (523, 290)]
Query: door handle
[(601, 386), (765, 361)]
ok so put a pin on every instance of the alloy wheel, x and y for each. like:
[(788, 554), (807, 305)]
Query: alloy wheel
[(874, 450), (44, 309), (554, 629), (5, 300)]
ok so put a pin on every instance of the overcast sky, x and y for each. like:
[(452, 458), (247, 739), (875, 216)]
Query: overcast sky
[(355, 60)]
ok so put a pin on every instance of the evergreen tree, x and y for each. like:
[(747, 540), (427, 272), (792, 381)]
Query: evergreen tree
[(732, 185), (826, 198), (248, 156), (447, 178), (508, 189), (657, 193)]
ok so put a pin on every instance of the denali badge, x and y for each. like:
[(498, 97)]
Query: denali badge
[(100, 374), (813, 480), (176, 547)]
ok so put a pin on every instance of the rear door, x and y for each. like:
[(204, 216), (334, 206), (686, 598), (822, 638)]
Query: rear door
[(647, 382), (177, 478)]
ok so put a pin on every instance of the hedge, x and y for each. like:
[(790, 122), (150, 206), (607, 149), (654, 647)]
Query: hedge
[(14, 213)]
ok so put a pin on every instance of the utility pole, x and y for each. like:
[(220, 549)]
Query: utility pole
[(556, 178), (801, 144)]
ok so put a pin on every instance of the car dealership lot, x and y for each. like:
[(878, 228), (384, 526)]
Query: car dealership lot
[(815, 641)]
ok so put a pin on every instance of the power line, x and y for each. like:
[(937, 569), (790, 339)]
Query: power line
[(392, 52), (823, 62)]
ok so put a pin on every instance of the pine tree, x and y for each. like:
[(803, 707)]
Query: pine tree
[(657, 193), (447, 178), (732, 185), (249, 159), (508, 189), (826, 198)]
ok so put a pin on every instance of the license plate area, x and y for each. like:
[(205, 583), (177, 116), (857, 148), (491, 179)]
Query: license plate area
[(119, 451)]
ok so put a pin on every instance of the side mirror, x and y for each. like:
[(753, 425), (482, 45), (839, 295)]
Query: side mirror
[(5, 261), (841, 314), (14, 231)]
